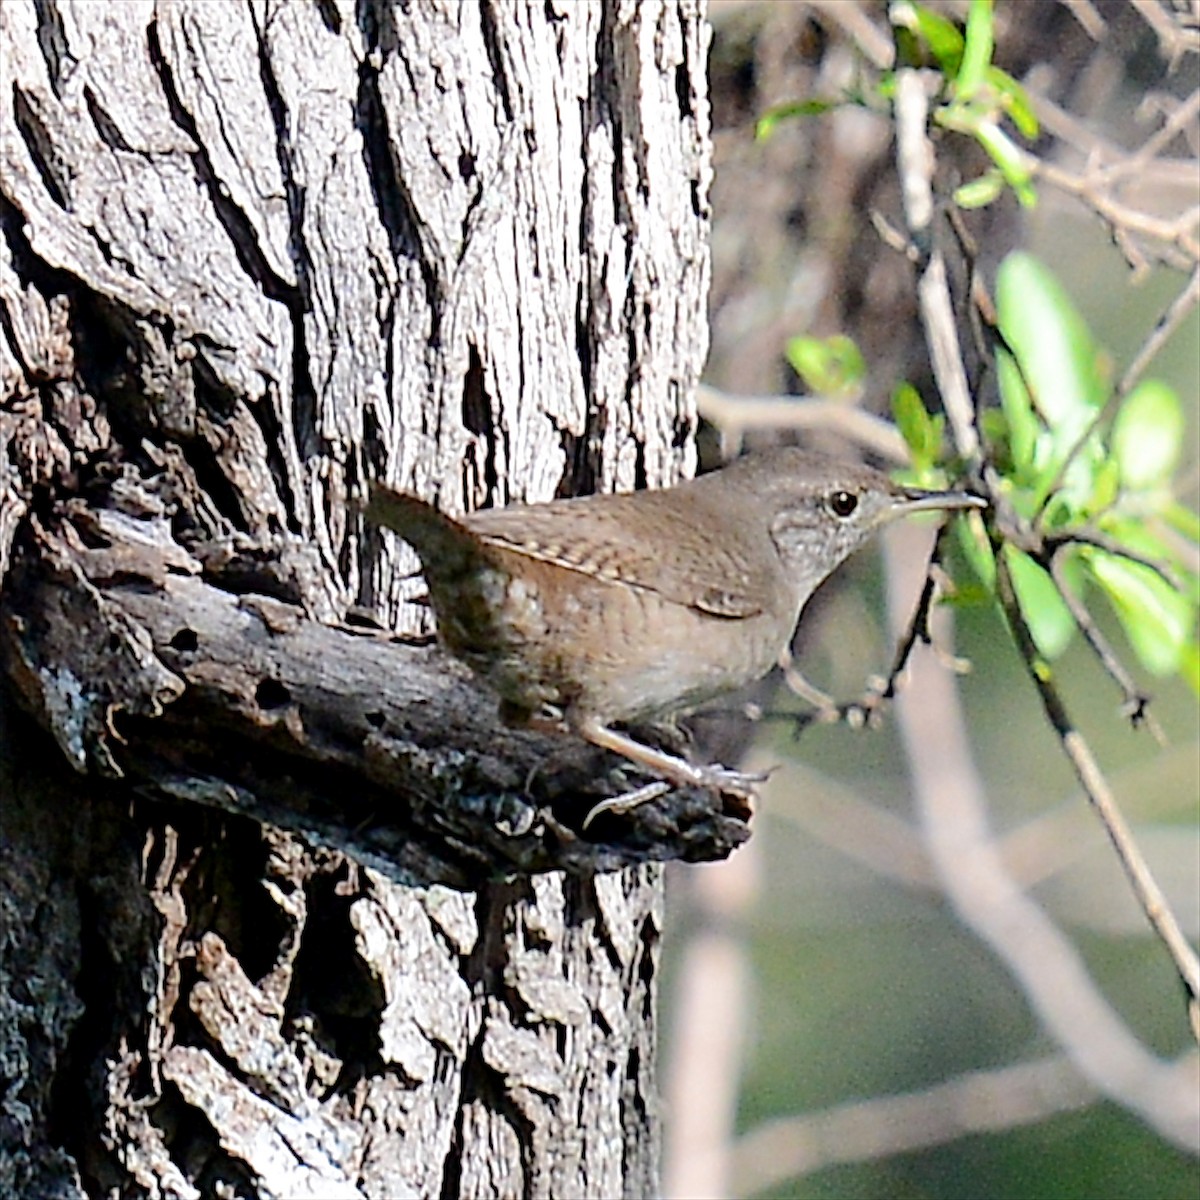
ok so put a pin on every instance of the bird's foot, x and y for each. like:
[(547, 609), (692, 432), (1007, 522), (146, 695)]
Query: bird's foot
[(728, 782)]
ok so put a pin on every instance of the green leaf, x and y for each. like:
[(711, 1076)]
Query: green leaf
[(1155, 541), (977, 49), (1182, 519), (1058, 354), (1065, 371), (1049, 619), (1059, 513), (1009, 158), (1074, 573), (997, 436), (943, 38), (981, 192), (1147, 436), (1157, 620), (832, 366), (968, 595), (1106, 483), (918, 428), (977, 550), (779, 113), (1149, 540), (1024, 427), (1015, 101), (1189, 666)]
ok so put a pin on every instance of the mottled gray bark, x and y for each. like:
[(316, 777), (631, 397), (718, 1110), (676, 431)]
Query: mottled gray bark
[(285, 912)]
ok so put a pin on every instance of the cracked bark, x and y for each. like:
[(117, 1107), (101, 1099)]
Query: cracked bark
[(285, 912)]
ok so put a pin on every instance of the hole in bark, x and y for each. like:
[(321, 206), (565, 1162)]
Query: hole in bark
[(374, 719), (92, 538), (270, 693), (184, 640), (331, 980), (476, 410), (683, 90)]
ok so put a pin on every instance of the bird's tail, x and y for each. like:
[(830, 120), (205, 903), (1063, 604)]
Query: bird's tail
[(444, 545)]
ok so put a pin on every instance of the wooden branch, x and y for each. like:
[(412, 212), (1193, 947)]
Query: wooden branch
[(386, 751)]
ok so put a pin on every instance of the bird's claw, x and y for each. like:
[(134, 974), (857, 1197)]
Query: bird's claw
[(722, 780), (627, 800)]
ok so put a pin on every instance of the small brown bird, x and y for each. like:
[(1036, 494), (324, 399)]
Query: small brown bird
[(581, 614)]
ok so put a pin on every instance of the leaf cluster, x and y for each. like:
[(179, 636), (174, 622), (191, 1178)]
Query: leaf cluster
[(1085, 475), (975, 97)]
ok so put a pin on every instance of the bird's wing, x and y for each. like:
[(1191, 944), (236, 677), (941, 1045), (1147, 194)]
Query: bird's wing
[(641, 542)]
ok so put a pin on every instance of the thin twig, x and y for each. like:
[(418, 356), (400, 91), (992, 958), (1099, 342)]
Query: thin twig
[(862, 711), (1136, 703), (1106, 166), (852, 19), (1174, 39), (1084, 11), (704, 1059), (1178, 231), (915, 157), (1141, 158), (1150, 896), (1164, 327), (1053, 543), (951, 803), (917, 628)]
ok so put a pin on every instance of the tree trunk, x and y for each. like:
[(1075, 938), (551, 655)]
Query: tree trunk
[(285, 912)]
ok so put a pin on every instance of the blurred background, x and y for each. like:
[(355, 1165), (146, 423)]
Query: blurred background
[(843, 1015)]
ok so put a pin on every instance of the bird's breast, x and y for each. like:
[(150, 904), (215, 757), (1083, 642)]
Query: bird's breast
[(545, 636)]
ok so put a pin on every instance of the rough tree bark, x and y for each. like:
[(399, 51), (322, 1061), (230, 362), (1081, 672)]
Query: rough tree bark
[(284, 912)]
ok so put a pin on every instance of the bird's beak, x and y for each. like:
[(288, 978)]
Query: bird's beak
[(916, 500)]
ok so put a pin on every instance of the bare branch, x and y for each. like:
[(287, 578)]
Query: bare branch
[(915, 160), (1151, 897), (705, 1056), (867, 1130), (863, 710), (1084, 11), (1174, 37), (851, 18), (1178, 120), (1053, 543), (734, 416), (1170, 320), (1166, 325), (951, 803)]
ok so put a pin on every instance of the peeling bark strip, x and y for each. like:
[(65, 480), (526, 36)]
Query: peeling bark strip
[(252, 256)]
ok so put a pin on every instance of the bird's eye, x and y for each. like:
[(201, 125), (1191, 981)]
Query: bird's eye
[(841, 504)]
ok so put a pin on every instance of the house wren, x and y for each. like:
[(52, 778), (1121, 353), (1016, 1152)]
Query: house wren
[(584, 613)]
